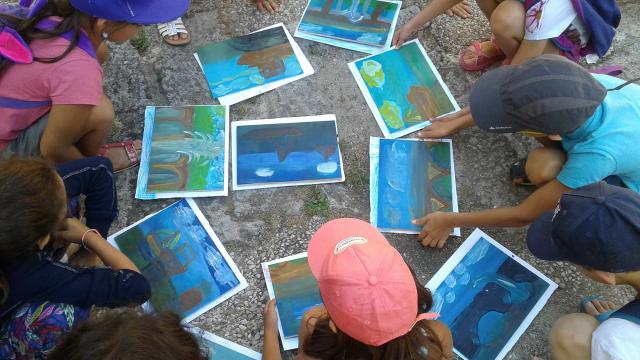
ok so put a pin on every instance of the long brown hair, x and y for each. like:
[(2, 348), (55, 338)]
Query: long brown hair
[(33, 199), (421, 343), (128, 335), (72, 20)]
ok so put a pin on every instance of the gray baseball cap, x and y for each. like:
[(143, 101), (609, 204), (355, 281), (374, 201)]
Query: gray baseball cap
[(549, 94)]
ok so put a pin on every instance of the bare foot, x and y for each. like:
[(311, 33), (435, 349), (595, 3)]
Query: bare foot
[(179, 36), (268, 5), (597, 307), (487, 48), (461, 10), (119, 158), (85, 258)]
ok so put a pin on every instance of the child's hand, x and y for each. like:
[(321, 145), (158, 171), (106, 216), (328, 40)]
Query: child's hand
[(270, 318), (436, 229), (402, 35), (71, 231), (268, 5)]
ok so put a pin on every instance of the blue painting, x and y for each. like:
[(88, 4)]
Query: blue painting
[(188, 268), (487, 297), (184, 152), (286, 152), (403, 89), (366, 22), (248, 61), (217, 348), (410, 179)]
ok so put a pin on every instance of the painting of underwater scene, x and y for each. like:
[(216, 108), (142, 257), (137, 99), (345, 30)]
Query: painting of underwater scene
[(217, 348), (368, 22), (403, 89), (248, 61), (292, 284), (185, 152), (410, 179), (487, 296), (177, 251), (285, 152)]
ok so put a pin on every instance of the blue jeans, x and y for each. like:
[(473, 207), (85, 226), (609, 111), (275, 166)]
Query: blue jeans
[(92, 177)]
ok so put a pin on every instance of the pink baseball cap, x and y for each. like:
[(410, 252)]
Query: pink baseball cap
[(365, 284)]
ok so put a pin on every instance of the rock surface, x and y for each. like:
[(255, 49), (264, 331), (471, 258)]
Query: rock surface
[(262, 225)]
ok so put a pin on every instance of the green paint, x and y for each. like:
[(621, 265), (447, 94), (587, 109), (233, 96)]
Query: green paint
[(392, 114), (372, 73), (203, 122)]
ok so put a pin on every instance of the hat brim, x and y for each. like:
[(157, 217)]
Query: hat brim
[(487, 105), (540, 239), (325, 240), (153, 12)]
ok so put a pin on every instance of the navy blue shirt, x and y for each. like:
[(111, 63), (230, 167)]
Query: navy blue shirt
[(39, 278)]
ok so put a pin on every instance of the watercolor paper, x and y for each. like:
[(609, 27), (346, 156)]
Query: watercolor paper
[(217, 348)]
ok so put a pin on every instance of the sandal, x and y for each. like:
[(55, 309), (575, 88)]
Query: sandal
[(600, 317), (518, 174), (130, 150), (482, 61), (173, 28)]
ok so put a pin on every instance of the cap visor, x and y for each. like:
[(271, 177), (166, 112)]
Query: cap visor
[(486, 103), (540, 239), (159, 11)]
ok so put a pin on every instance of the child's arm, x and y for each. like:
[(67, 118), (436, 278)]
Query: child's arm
[(110, 256), (432, 10), (447, 125), (271, 347), (437, 226)]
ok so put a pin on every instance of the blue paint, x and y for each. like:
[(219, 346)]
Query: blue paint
[(216, 351), (485, 299), (178, 257), (248, 61), (275, 153)]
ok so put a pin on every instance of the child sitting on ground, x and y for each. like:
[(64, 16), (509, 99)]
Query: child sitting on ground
[(373, 305), (42, 298), (597, 118), (597, 228), (523, 29), (51, 98)]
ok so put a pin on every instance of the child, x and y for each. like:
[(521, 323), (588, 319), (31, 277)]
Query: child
[(523, 29), (125, 335), (596, 116), (597, 228), (38, 290), (373, 305), (51, 98)]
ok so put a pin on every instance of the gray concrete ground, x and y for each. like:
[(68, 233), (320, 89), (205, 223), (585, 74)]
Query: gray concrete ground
[(262, 225)]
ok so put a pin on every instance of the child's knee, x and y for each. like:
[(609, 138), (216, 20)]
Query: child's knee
[(570, 337), (508, 19), (544, 164)]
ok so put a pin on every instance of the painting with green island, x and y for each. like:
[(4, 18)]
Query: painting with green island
[(184, 152), (403, 89)]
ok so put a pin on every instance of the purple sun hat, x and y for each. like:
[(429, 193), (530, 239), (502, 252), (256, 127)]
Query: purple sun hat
[(142, 12)]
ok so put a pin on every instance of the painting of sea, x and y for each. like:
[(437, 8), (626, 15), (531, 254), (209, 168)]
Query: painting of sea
[(177, 251), (185, 152), (246, 66), (487, 296), (285, 152), (403, 89), (291, 283), (360, 25), (408, 180), (217, 348)]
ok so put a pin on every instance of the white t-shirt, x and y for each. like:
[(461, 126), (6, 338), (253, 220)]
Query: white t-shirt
[(616, 339), (550, 18)]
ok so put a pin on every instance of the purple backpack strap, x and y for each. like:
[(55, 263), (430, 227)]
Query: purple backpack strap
[(613, 70), (83, 42), (10, 103)]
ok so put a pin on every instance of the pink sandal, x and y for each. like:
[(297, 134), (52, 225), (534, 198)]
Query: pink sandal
[(129, 148), (483, 62)]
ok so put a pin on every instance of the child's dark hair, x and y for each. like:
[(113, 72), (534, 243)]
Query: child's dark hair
[(419, 343), (72, 20), (33, 199), (128, 335)]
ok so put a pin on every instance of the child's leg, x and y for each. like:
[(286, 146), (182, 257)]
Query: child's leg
[(544, 164), (507, 25), (570, 337), (92, 177), (98, 127)]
